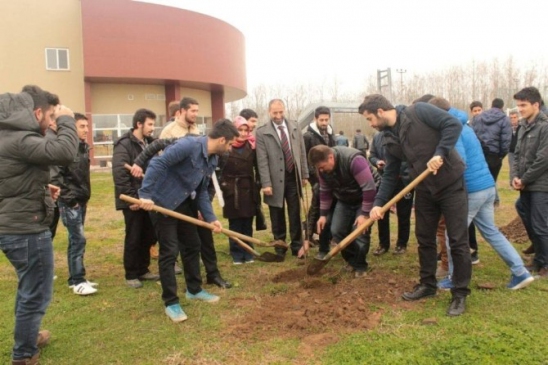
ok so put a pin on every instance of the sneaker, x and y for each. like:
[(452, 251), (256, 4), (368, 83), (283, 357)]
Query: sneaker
[(176, 313), (445, 284), (321, 255), (359, 274), (149, 276), (90, 283), (457, 306), (134, 283), (249, 261), (43, 338), (84, 289), (400, 250), (380, 251), (518, 282), (178, 270), (203, 295), (237, 263), (475, 258), (441, 272)]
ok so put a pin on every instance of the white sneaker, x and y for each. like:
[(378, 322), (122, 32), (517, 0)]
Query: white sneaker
[(90, 283), (84, 289)]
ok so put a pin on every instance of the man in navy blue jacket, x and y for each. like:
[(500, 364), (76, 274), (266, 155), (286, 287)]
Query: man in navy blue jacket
[(181, 174)]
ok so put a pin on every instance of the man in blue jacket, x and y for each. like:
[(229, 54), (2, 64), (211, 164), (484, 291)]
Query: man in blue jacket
[(480, 186), (173, 180)]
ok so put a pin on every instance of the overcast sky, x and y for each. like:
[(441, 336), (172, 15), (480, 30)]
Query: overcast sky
[(300, 41)]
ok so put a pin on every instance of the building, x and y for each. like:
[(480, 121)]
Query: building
[(108, 58)]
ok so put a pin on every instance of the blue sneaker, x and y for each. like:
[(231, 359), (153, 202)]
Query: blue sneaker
[(203, 295), (175, 313), (445, 284), (519, 282)]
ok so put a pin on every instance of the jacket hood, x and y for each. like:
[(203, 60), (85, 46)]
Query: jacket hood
[(314, 128), (16, 112), (491, 116), (459, 114)]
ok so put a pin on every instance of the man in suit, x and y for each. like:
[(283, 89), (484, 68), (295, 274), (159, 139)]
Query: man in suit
[(281, 158)]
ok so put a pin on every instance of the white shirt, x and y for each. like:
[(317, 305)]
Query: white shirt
[(284, 125)]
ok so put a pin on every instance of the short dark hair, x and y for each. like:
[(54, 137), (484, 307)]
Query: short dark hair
[(497, 103), (274, 101), (321, 110), (513, 111), (79, 116), (530, 94), (39, 97), (423, 99), (186, 102), (248, 113), (141, 115), (173, 107), (358, 130), (318, 154), (223, 128), (475, 104), (372, 103), (341, 133), (52, 99), (441, 103)]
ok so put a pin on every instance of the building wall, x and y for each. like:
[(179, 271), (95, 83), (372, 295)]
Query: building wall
[(32, 26)]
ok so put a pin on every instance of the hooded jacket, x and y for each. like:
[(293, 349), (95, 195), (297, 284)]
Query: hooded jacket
[(494, 131), (74, 179), (26, 206)]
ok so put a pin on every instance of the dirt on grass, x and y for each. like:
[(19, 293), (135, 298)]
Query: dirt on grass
[(316, 309), (515, 231)]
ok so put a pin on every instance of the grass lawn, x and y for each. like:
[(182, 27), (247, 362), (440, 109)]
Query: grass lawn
[(119, 325)]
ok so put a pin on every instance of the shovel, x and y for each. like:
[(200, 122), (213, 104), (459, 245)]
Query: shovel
[(265, 256), (200, 223), (318, 264)]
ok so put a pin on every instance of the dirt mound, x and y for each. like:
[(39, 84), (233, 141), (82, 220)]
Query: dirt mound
[(515, 231), (317, 308)]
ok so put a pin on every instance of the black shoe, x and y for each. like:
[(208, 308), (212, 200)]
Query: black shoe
[(380, 251), (419, 291), (457, 306), (400, 250), (529, 250), (220, 282), (474, 258)]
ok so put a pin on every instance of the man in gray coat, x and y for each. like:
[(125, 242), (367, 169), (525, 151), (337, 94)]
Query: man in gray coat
[(281, 157), (26, 206)]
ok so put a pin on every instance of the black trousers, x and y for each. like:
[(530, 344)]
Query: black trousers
[(140, 236), (277, 216), (494, 162), (452, 202), (55, 222), (403, 210), (207, 247), (178, 237), (312, 219), (472, 237)]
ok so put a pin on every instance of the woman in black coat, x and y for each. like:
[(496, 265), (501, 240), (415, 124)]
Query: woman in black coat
[(238, 185)]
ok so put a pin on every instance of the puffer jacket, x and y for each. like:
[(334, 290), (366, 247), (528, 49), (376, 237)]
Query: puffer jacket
[(531, 155), (494, 131), (476, 175), (126, 150), (74, 179), (26, 206)]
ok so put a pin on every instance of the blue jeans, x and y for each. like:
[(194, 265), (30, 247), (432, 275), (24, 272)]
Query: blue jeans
[(32, 257), (532, 207), (243, 226), (73, 219), (342, 224), (481, 211)]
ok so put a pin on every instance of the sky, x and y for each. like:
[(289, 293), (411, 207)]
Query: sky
[(318, 41)]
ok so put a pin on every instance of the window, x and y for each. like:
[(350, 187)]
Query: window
[(57, 59)]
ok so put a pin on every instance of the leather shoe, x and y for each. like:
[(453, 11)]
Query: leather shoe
[(457, 306), (529, 250), (220, 282), (419, 291), (380, 251)]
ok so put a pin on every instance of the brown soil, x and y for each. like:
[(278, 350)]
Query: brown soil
[(515, 231), (317, 309)]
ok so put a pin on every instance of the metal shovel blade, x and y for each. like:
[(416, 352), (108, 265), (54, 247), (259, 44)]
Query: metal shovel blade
[(269, 257), (317, 265)]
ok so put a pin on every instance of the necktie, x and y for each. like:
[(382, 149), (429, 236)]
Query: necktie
[(289, 163)]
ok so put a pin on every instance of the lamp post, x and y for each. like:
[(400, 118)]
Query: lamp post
[(401, 71)]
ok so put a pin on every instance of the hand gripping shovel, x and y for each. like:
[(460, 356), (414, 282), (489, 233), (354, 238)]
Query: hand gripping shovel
[(318, 264), (200, 223)]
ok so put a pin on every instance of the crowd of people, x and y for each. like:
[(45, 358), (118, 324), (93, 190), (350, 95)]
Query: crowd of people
[(45, 177)]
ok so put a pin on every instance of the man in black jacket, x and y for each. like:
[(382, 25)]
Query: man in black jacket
[(26, 207), (75, 184), (140, 235), (425, 137), (319, 132)]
